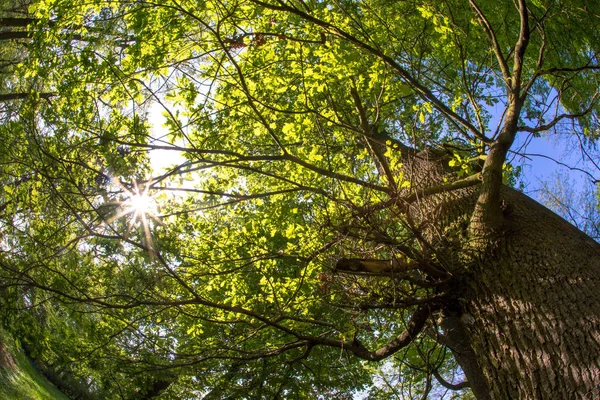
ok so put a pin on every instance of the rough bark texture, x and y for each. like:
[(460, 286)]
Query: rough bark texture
[(457, 339), (531, 307), (524, 319)]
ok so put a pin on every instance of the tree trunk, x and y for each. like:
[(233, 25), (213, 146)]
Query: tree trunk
[(530, 310)]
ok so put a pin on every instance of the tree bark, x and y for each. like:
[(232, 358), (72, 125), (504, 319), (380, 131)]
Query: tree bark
[(22, 96), (530, 309), (524, 319), (11, 22), (12, 35), (523, 313)]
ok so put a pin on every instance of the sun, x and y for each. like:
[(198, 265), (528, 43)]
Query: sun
[(140, 205), (141, 208)]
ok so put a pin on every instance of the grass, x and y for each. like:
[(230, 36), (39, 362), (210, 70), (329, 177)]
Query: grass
[(21, 380)]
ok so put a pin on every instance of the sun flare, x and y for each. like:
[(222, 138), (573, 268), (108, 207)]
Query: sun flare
[(141, 204), (141, 209)]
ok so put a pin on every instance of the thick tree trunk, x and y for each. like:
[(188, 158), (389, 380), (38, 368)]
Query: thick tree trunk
[(524, 319), (528, 321)]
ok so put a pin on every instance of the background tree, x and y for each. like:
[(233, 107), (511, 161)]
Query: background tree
[(336, 210), (579, 207)]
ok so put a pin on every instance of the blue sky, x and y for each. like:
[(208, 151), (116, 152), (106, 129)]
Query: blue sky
[(550, 154)]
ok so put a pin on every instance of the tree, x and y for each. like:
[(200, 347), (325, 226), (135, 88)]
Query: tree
[(580, 208), (336, 210)]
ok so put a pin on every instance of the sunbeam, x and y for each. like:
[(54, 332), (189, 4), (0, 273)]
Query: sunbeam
[(141, 208)]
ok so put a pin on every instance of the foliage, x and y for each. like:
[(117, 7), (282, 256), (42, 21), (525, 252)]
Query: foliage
[(294, 123)]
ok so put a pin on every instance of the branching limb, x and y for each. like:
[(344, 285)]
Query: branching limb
[(413, 328), (487, 215), (13, 35), (405, 201), (551, 124), (303, 356), (487, 27), (425, 93), (530, 156), (521, 47), (22, 96), (397, 267), (448, 385), (550, 71), (541, 54), (373, 266), (16, 22), (334, 175), (376, 149), (557, 70), (241, 76)]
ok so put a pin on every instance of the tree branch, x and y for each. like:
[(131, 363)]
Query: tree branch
[(334, 175), (469, 181), (14, 35), (487, 27), (21, 96), (376, 149), (521, 47), (448, 385), (573, 69), (413, 327), (16, 22), (398, 268), (421, 90), (374, 266), (551, 124), (550, 71)]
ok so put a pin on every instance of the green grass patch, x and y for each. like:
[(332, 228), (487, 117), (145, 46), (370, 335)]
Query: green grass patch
[(19, 379)]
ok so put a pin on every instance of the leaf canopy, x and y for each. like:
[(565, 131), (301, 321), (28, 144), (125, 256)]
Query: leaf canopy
[(290, 125)]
